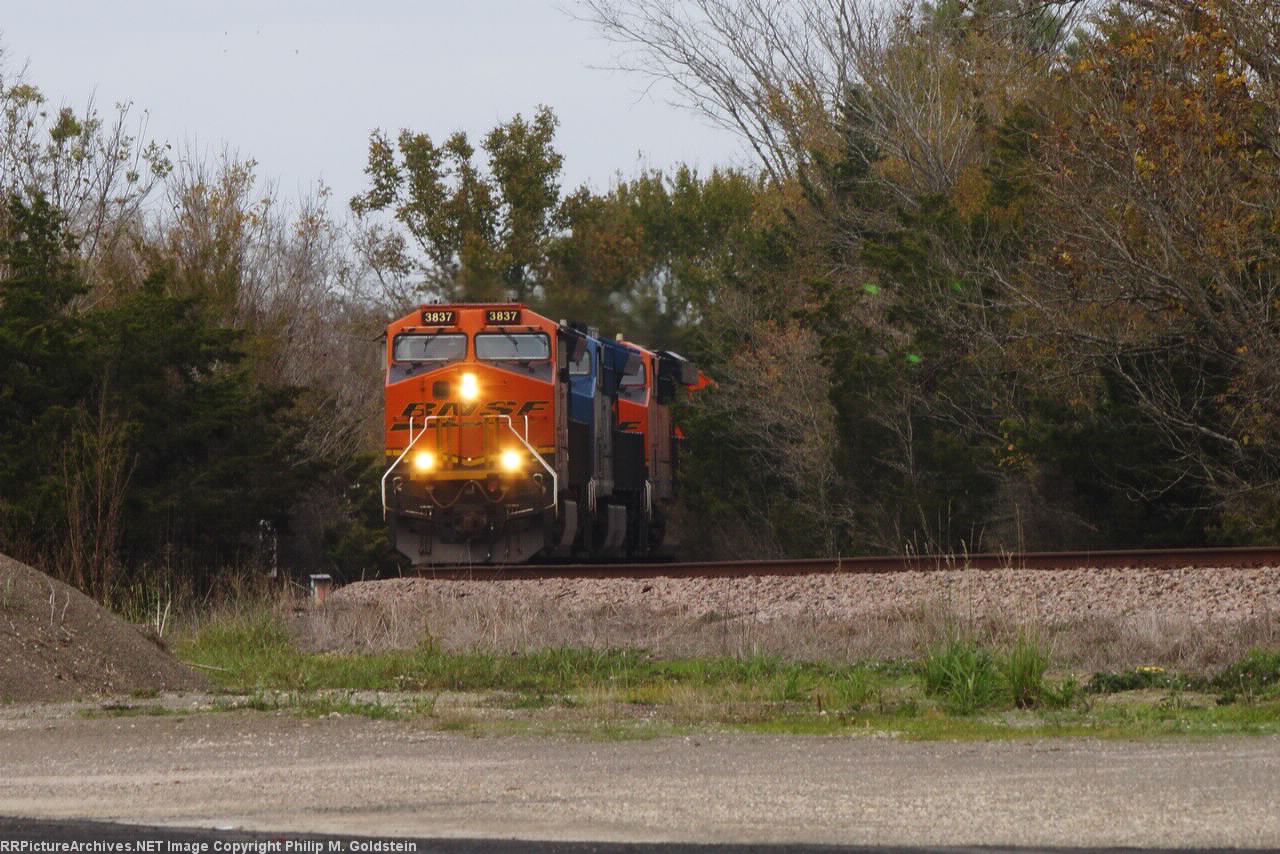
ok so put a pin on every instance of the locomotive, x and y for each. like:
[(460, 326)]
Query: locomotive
[(510, 437)]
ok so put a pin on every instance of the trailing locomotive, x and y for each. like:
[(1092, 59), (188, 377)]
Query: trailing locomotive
[(510, 436)]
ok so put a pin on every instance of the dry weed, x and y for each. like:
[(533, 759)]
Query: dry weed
[(512, 617)]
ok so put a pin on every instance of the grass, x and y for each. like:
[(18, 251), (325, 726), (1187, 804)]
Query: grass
[(958, 690), (968, 678), (1254, 677), (254, 652), (1024, 669), (964, 677), (304, 704), (128, 710)]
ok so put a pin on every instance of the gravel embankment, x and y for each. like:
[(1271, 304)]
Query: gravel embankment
[(1043, 596), (1191, 618)]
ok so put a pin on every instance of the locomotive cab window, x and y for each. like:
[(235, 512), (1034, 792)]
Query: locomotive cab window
[(633, 386), (581, 367), (513, 346), (429, 348)]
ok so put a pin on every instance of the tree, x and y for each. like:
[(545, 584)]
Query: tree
[(214, 452), (765, 435), (41, 365), (777, 73), (133, 432), (479, 236), (647, 257), (281, 272), (98, 171), (1155, 256)]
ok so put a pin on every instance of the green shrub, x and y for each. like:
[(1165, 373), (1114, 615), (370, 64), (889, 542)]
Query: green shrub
[(964, 676), (1133, 680), (1255, 675), (853, 689), (1064, 695), (1023, 669), (788, 685)]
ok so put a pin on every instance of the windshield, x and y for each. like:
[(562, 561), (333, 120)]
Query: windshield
[(633, 387), (517, 346), (634, 378), (581, 367), (429, 348)]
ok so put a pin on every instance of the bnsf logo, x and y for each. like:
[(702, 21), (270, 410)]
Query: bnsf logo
[(450, 409)]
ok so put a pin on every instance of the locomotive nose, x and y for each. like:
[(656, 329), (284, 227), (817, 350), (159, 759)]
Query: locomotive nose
[(468, 386), (471, 521)]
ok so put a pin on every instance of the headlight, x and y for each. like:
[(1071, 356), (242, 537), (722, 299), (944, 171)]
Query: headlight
[(424, 461), (511, 460), (469, 388)]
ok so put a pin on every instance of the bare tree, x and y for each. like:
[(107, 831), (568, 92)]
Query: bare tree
[(781, 74), (95, 469), (281, 271), (771, 71), (99, 171)]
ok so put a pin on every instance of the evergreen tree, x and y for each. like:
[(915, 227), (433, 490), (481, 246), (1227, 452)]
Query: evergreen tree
[(42, 366)]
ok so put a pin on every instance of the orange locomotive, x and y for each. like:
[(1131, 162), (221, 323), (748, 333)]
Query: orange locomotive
[(504, 438), (472, 423), (645, 395)]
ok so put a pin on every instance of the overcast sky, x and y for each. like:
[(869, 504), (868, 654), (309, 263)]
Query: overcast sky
[(298, 85)]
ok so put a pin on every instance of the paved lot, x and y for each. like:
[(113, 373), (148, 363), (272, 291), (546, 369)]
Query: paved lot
[(275, 772)]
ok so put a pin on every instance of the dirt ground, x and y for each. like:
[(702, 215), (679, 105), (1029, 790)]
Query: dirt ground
[(58, 644), (276, 772), (268, 771)]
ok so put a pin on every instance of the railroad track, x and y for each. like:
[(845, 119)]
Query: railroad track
[(1218, 558)]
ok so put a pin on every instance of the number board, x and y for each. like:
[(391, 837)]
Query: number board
[(439, 317), (501, 316)]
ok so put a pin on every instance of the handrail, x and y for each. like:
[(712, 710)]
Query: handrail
[(555, 481), (524, 440), (413, 440)]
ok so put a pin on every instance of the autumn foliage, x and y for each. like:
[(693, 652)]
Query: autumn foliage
[(1004, 275)]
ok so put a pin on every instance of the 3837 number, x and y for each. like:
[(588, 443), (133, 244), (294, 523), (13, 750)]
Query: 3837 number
[(438, 316)]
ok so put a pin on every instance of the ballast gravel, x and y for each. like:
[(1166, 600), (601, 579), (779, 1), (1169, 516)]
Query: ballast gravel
[(1191, 617), (1047, 596)]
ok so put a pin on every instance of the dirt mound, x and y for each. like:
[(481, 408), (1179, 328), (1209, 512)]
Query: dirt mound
[(58, 644)]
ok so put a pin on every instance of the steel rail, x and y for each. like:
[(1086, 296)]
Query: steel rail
[(1208, 558)]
